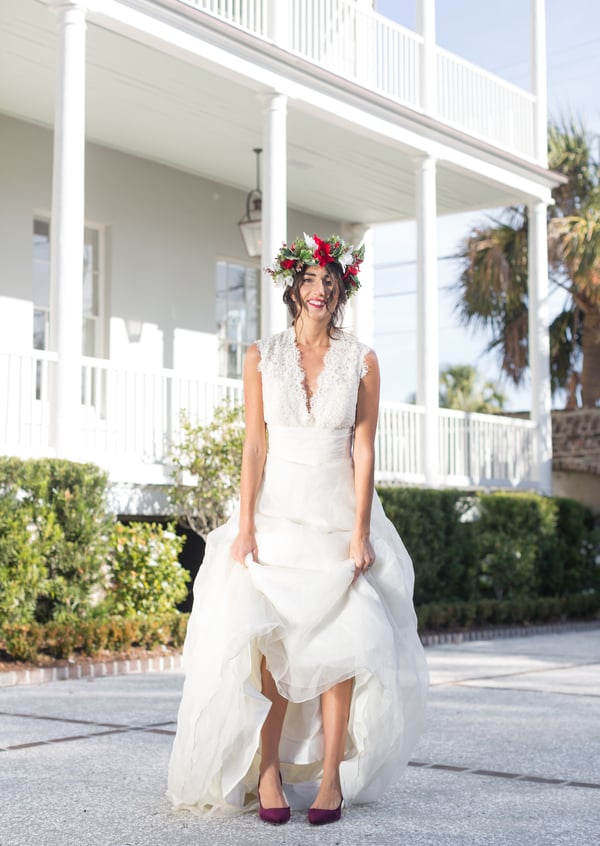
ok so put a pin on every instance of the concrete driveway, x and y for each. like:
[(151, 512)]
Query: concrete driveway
[(511, 756)]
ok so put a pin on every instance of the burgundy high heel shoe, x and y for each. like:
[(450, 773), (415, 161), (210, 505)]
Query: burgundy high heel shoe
[(322, 816), (275, 816)]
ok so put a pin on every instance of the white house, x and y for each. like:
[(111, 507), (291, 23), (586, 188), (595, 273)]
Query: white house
[(134, 123)]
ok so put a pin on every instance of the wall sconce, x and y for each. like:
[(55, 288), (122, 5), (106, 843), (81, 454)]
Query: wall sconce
[(251, 224)]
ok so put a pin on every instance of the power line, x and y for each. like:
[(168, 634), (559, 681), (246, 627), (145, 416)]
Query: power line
[(388, 265), (413, 331), (410, 293)]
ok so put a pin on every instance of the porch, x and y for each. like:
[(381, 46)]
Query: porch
[(129, 418), (361, 121)]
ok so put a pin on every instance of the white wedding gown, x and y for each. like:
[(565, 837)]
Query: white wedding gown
[(298, 606)]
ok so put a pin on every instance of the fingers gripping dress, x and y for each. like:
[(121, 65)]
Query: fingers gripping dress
[(297, 605)]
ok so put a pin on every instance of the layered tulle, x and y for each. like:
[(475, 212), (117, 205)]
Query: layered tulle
[(298, 606)]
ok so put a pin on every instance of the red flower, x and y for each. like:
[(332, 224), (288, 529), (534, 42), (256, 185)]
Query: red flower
[(287, 264), (323, 252)]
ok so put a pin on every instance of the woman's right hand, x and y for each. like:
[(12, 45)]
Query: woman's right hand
[(243, 545)]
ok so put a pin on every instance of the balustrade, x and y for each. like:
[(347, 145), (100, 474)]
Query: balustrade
[(129, 419), (377, 53)]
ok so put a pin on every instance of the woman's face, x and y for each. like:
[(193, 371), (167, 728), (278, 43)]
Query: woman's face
[(319, 293)]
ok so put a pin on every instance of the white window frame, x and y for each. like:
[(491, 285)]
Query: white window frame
[(224, 343)]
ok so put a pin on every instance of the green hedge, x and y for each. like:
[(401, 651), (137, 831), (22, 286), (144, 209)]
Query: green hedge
[(145, 574), (53, 538), (480, 613), (64, 559), (28, 642), (471, 546)]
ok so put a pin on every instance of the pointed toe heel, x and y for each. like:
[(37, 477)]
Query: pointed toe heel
[(323, 816), (275, 816)]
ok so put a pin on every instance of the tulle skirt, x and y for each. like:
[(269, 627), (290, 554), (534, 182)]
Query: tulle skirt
[(297, 606)]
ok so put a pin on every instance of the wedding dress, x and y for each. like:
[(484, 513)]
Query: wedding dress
[(298, 606)]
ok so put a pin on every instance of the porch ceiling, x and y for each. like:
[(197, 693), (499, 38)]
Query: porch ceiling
[(193, 118)]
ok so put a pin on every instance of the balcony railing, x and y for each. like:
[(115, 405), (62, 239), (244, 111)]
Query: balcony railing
[(379, 54), (130, 418)]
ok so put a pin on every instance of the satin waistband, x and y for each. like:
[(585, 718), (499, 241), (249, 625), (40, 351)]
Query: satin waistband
[(307, 445)]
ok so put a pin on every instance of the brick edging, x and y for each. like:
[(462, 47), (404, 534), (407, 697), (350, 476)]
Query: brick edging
[(91, 670), (438, 638), (120, 667)]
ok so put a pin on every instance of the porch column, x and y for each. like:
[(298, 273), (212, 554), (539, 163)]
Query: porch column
[(427, 317), (361, 310), (66, 228), (539, 343), (277, 22), (274, 209), (428, 60), (539, 85)]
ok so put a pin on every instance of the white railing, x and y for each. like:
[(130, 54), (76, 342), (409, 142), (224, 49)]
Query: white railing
[(24, 410), (379, 54), (359, 44), (486, 450), (484, 105), (398, 443), (247, 14), (130, 418)]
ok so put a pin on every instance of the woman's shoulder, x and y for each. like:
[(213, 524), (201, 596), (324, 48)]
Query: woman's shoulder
[(272, 346), (362, 353)]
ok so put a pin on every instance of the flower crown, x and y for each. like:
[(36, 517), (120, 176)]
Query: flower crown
[(312, 251)]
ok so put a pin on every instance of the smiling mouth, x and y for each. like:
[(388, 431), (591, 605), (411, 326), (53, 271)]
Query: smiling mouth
[(316, 303)]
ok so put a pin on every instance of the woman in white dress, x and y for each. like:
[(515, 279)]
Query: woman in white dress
[(304, 671)]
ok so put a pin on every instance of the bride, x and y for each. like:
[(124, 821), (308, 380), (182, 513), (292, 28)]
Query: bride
[(304, 670)]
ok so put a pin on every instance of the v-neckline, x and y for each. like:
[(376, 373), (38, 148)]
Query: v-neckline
[(309, 400)]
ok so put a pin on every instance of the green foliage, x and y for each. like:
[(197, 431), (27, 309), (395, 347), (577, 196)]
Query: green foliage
[(207, 466), (461, 388), (510, 532), (146, 577), (31, 641), (493, 291), (570, 561), (23, 573), (457, 616), (431, 524), (53, 538), (490, 546)]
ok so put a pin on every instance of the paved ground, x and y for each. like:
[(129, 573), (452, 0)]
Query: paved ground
[(511, 756)]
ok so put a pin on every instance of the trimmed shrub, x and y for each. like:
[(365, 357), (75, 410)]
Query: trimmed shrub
[(511, 530), (456, 616), (484, 546), (53, 538), (89, 637), (569, 561), (145, 574), (435, 527)]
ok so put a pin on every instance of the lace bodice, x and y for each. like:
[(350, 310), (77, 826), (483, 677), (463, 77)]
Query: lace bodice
[(333, 404)]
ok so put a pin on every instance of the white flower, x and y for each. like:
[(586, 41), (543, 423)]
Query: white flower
[(310, 242), (346, 259)]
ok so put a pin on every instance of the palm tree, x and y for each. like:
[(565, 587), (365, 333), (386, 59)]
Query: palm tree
[(493, 284), (461, 388)]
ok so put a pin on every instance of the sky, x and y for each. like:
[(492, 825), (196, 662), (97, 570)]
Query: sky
[(494, 36)]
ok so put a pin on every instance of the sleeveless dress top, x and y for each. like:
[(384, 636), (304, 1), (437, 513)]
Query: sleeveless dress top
[(298, 606)]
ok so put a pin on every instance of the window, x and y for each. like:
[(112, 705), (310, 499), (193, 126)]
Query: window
[(238, 314), (92, 329)]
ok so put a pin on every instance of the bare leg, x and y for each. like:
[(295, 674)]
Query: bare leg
[(271, 793), (335, 711)]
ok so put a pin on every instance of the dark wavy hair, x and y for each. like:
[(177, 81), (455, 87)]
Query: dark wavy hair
[(292, 299)]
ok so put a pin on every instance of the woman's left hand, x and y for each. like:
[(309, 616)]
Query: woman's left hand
[(362, 553)]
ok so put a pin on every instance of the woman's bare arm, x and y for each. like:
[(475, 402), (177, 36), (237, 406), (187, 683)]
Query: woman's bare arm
[(253, 458), (367, 411)]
